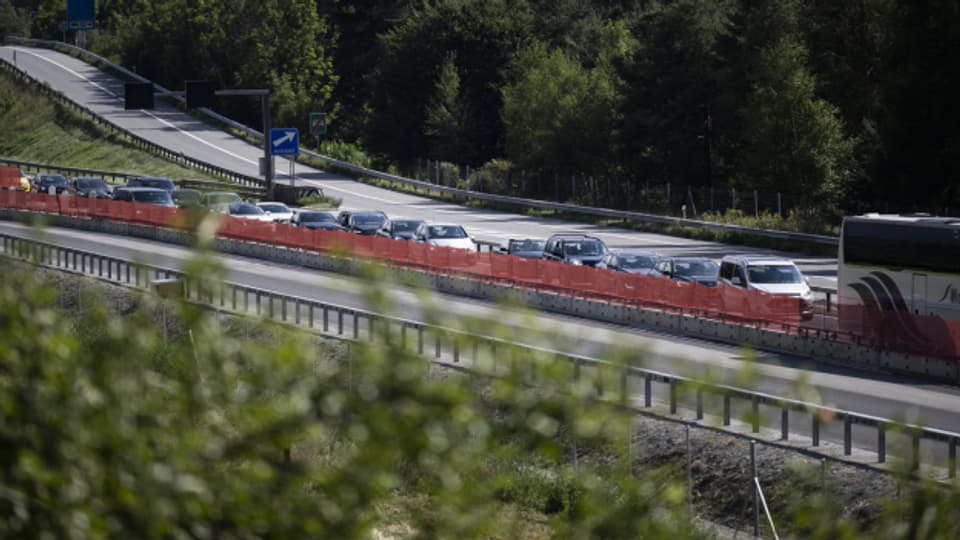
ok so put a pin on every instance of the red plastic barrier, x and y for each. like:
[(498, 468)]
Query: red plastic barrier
[(9, 178)]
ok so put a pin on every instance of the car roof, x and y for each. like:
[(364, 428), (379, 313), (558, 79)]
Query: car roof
[(633, 251), (141, 189), (690, 258), (749, 259)]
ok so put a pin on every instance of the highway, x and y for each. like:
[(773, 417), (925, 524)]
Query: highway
[(180, 132), (866, 392)]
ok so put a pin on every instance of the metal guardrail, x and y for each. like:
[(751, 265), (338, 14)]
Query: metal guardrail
[(462, 193), (459, 348)]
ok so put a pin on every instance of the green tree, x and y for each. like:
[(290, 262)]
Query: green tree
[(13, 21), (446, 123), (559, 116), (793, 140)]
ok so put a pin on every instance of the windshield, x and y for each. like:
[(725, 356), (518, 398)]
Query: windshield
[(447, 231), (773, 274), (637, 261), (405, 226), (368, 220), (161, 183), (526, 245), (152, 197), (246, 210), (317, 217), (275, 208), (90, 183), (583, 248), (695, 268)]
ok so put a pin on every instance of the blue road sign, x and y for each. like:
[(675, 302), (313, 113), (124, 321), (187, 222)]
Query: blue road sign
[(284, 142), (81, 14)]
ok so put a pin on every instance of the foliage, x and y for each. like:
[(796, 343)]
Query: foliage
[(494, 177)]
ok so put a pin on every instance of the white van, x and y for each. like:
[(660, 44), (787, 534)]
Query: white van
[(772, 275)]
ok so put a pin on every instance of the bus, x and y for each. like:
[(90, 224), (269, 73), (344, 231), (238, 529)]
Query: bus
[(898, 282)]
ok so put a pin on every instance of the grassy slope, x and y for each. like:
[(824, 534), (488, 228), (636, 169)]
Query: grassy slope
[(34, 128)]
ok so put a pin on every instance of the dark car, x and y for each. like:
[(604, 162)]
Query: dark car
[(577, 249), (699, 269), (633, 261), (366, 223), (247, 210), (145, 195), (90, 186), (187, 198), (315, 219), (529, 248), (159, 182), (43, 182), (400, 229)]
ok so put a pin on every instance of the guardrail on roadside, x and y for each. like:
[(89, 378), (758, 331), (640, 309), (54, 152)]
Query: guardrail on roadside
[(468, 351), (464, 194)]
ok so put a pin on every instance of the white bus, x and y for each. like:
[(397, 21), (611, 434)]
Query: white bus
[(898, 282)]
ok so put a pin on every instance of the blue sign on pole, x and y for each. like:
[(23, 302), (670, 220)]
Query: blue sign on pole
[(284, 142), (81, 14)]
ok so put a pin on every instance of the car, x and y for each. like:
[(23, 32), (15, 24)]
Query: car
[(770, 274), (444, 235), (574, 248), (90, 186), (159, 182), (685, 268), (633, 261), (528, 248), (248, 210), (365, 222), (400, 229), (187, 198), (43, 182), (144, 195), (277, 211), (315, 219)]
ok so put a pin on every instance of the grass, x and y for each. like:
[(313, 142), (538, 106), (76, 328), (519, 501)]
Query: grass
[(35, 128)]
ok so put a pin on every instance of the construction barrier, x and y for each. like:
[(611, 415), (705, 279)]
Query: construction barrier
[(9, 178), (895, 331)]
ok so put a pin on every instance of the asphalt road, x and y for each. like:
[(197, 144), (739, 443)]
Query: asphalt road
[(177, 131), (866, 392)]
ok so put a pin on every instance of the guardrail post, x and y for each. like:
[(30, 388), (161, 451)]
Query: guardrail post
[(881, 442), (456, 350), (296, 307), (952, 456), (699, 403), (356, 325), (370, 328), (340, 322), (673, 396), (815, 428), (310, 307), (647, 390), (784, 424), (436, 343), (847, 435), (99, 266), (419, 339), (326, 319), (257, 294), (755, 413), (726, 409), (915, 439)]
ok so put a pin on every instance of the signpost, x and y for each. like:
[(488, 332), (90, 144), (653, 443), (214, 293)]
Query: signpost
[(285, 142), (81, 15), (318, 126)]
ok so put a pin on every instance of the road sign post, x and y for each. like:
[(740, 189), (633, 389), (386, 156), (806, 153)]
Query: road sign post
[(318, 125)]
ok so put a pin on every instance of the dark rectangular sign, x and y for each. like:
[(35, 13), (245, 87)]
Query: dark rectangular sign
[(81, 14)]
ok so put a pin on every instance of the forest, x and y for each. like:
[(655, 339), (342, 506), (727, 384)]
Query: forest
[(841, 106)]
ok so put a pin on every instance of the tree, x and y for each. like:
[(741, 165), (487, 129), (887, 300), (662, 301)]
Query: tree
[(559, 116), (446, 123), (794, 141)]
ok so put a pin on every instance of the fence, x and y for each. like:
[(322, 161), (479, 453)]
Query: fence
[(624, 383)]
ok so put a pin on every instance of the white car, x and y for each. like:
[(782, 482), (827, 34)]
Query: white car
[(247, 210), (772, 275), (445, 235), (277, 211)]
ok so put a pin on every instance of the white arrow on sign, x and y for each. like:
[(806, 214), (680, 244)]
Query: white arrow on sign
[(287, 136)]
